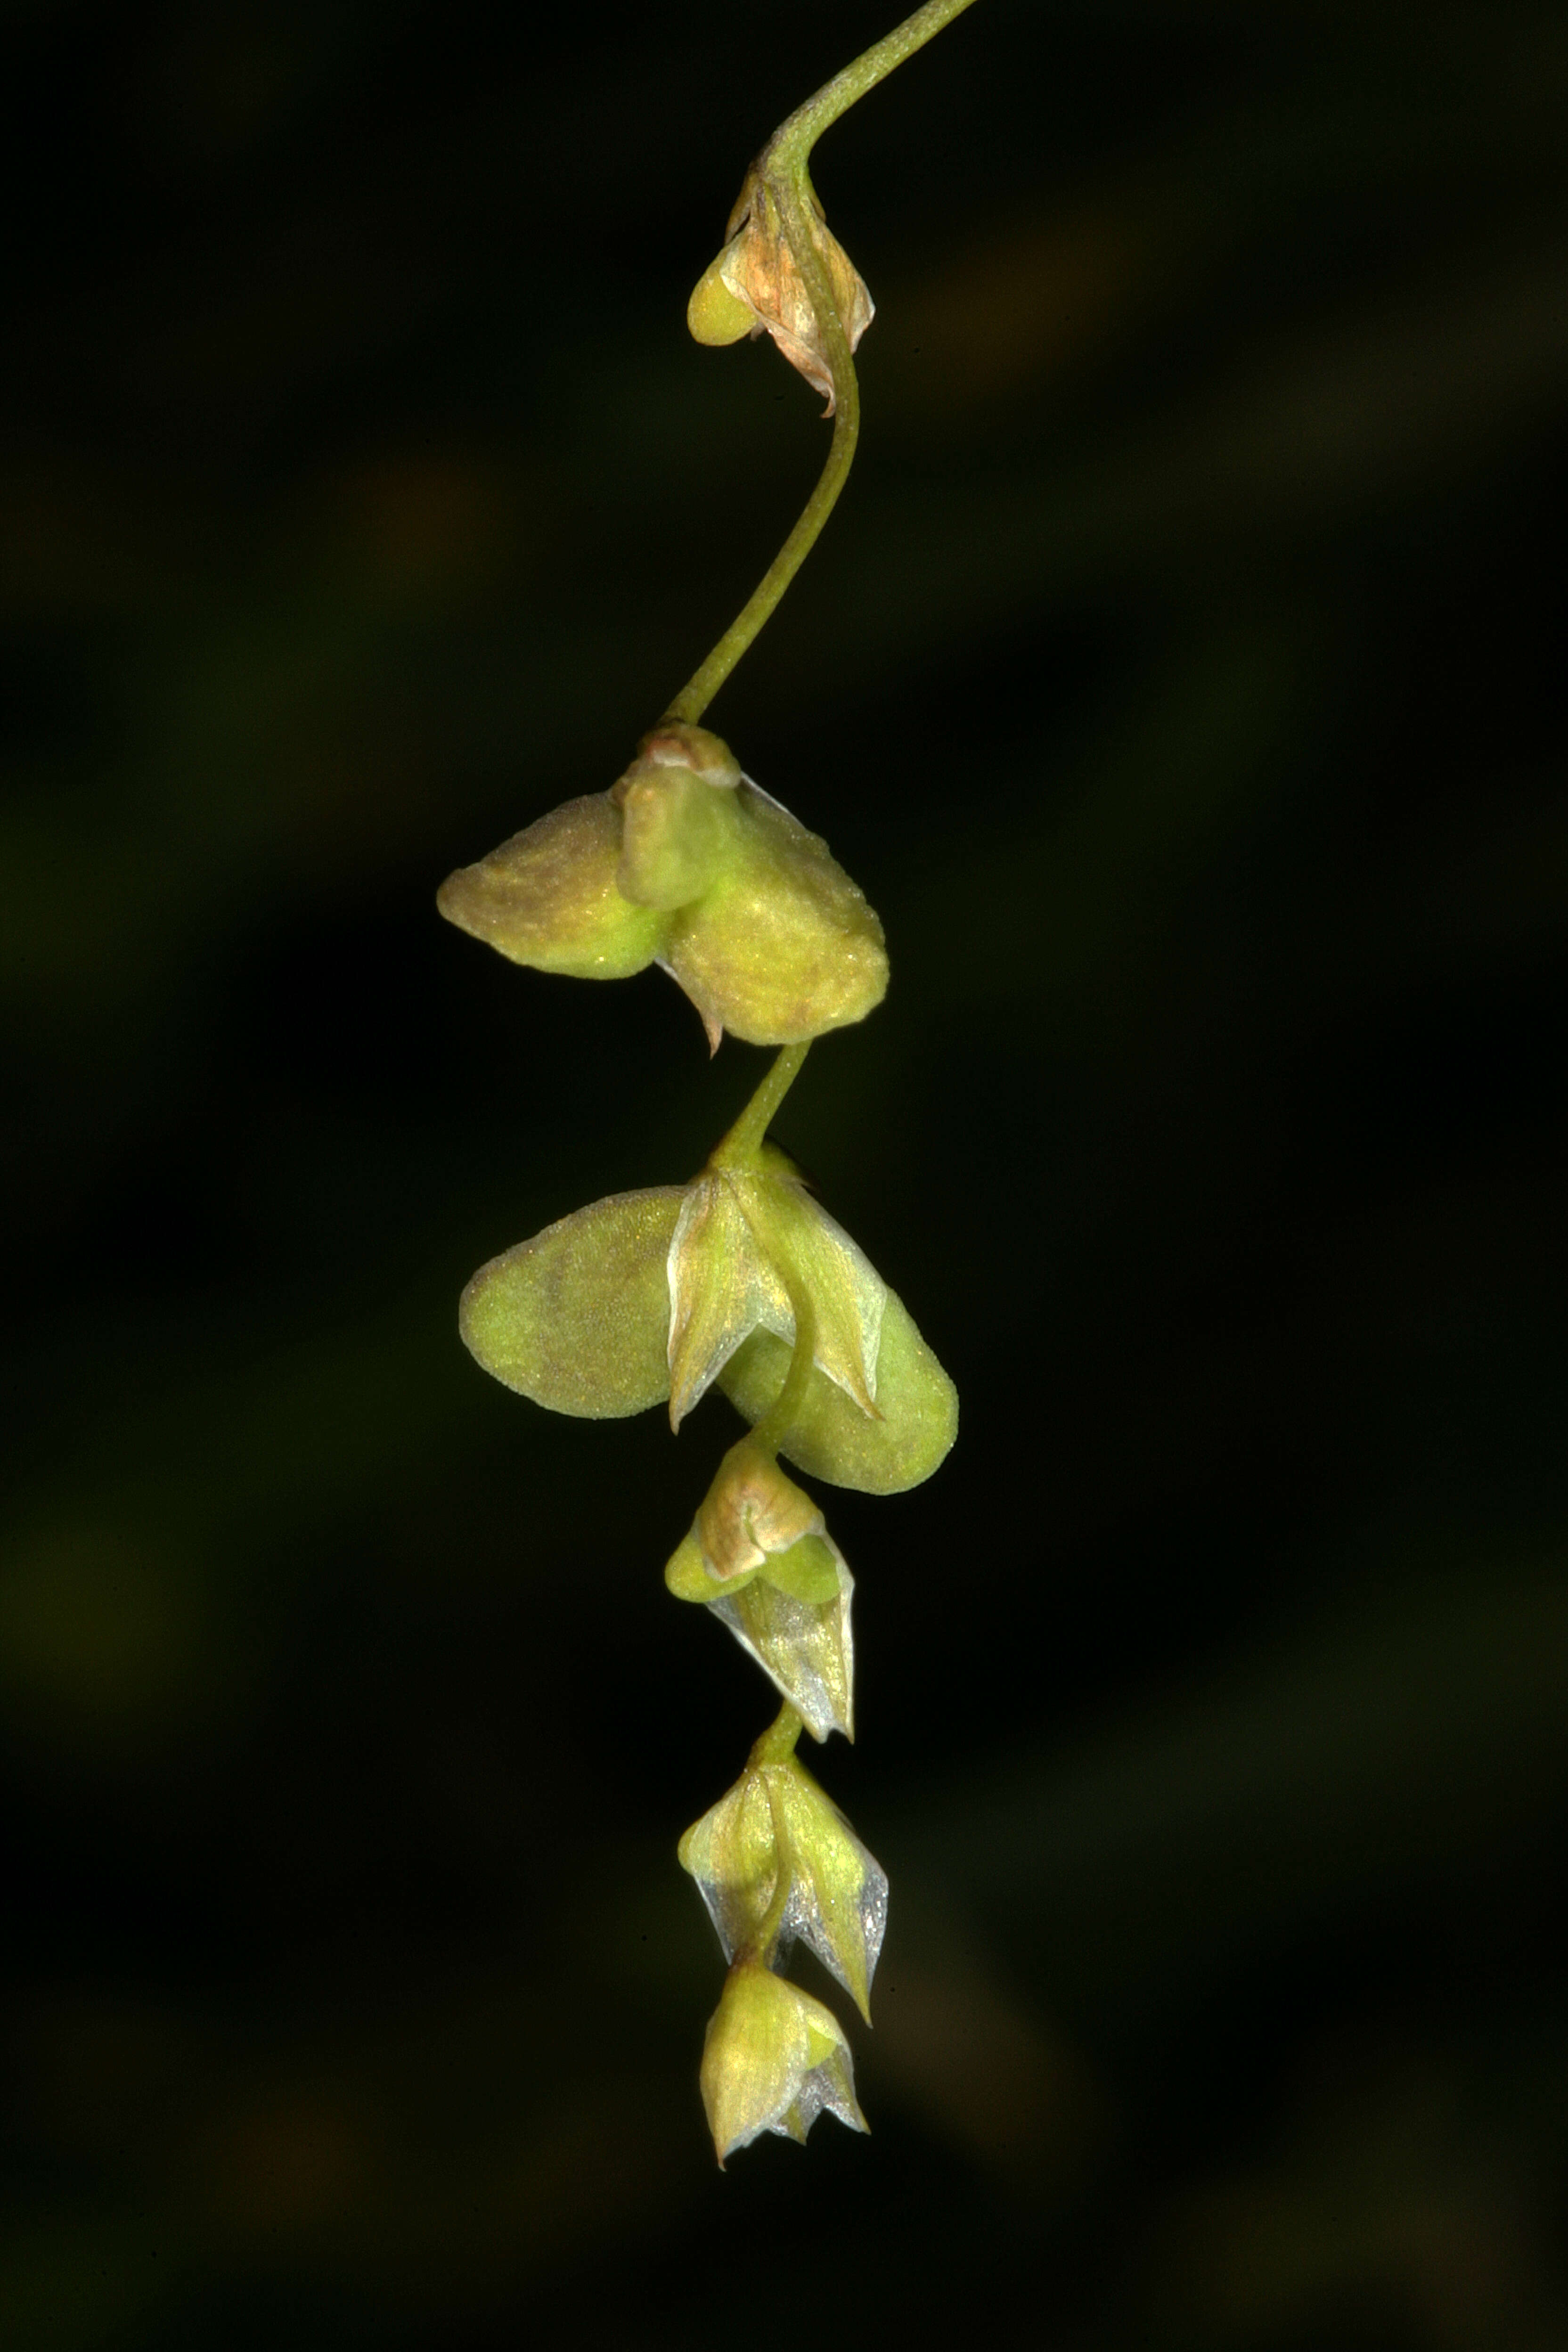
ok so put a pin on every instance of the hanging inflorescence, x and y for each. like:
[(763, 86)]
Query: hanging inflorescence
[(738, 1280)]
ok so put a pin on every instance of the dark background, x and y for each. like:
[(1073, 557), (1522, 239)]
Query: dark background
[(1181, 677)]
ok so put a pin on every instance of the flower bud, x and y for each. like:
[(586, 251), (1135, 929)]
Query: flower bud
[(772, 2059), (761, 1558), (777, 1819), (760, 274)]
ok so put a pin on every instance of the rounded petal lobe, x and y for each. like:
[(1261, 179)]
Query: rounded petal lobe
[(830, 1437), (578, 1317), (549, 898), (783, 946)]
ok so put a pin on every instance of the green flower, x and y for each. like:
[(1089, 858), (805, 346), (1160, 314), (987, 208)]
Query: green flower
[(659, 1294), (776, 1823), (685, 863), (772, 2059), (760, 1557)]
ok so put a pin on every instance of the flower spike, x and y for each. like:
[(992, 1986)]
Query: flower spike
[(738, 1280)]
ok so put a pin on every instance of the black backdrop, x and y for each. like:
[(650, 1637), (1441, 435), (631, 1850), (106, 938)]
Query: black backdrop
[(1180, 679)]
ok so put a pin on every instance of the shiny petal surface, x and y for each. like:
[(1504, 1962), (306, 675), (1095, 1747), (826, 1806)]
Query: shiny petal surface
[(847, 1295)]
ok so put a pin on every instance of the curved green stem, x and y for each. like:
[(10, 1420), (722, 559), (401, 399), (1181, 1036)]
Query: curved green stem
[(740, 1148), (776, 1746), (700, 689), (782, 173), (777, 1743), (798, 137), (772, 1426)]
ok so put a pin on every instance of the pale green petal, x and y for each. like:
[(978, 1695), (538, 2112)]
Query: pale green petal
[(721, 1288), (714, 315), (676, 828), (830, 1437), (578, 1317), (847, 1293), (686, 1573)]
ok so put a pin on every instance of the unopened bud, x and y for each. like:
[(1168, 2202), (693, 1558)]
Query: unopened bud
[(761, 1558), (772, 2060), (776, 1822), (760, 274)]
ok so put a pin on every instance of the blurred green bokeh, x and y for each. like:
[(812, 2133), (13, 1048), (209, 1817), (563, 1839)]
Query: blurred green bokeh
[(1182, 677)]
